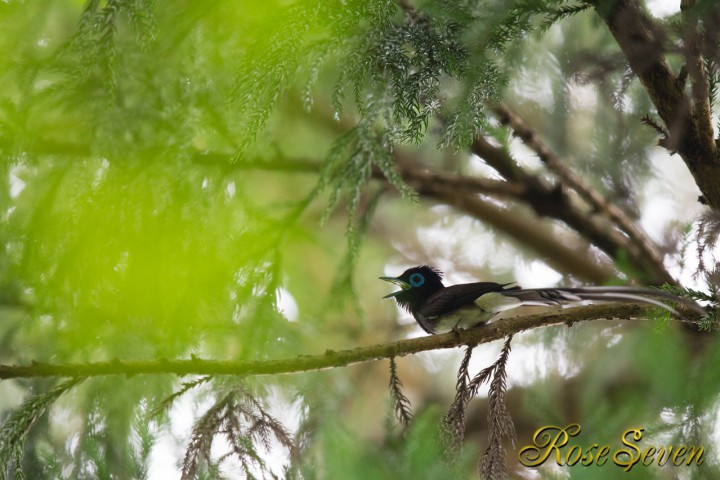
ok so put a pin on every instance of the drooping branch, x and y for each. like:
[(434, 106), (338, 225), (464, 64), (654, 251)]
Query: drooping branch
[(330, 359)]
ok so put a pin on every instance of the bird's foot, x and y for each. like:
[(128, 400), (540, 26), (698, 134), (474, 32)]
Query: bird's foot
[(456, 331)]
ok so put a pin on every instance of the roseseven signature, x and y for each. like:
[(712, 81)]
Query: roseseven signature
[(551, 440)]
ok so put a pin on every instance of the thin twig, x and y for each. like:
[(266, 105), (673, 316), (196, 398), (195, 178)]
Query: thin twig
[(401, 404)]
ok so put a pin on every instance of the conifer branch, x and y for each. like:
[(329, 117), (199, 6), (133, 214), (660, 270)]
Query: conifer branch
[(493, 463), (16, 427), (557, 202), (643, 43), (401, 404), (596, 200), (240, 418), (572, 257), (330, 359), (453, 423)]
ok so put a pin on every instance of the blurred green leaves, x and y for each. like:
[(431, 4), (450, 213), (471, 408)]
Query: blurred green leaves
[(135, 253), (119, 240), (419, 455), (135, 223)]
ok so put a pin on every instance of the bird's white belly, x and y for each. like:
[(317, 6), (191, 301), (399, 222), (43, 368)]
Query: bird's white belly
[(463, 318)]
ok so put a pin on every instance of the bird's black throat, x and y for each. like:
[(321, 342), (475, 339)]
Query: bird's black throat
[(411, 299)]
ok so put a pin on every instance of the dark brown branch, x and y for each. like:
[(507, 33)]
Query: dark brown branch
[(701, 112), (330, 359), (641, 40), (565, 257), (556, 202), (596, 200), (421, 177)]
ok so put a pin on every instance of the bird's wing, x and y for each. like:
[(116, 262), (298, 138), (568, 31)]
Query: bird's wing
[(453, 297)]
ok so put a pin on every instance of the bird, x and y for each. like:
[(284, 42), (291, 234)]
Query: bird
[(440, 309)]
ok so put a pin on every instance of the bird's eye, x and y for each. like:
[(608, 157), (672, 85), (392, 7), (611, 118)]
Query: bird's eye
[(417, 279)]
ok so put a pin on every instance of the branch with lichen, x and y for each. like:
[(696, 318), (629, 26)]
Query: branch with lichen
[(331, 358)]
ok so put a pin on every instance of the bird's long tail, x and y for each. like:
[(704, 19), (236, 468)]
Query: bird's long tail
[(560, 296)]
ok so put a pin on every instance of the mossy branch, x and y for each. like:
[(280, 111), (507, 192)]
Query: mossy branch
[(330, 359)]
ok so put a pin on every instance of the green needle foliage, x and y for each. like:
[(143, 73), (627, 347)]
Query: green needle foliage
[(186, 180), (15, 428)]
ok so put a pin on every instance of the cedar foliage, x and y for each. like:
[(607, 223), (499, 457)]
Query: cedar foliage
[(162, 161)]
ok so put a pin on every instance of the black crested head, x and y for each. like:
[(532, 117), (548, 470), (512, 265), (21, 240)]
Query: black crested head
[(417, 284)]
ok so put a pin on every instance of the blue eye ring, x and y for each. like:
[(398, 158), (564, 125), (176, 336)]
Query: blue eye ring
[(416, 279)]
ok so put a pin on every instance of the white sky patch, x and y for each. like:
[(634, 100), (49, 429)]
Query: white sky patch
[(287, 304), (164, 458), (230, 190), (101, 172), (535, 274), (167, 452), (468, 242), (479, 167), (16, 184), (535, 81), (437, 361), (583, 96), (663, 8), (524, 156), (529, 361), (672, 196)]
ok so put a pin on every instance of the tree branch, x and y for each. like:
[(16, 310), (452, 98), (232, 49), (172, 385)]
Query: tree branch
[(596, 200), (641, 40), (458, 190), (572, 257), (556, 202), (692, 36), (330, 359)]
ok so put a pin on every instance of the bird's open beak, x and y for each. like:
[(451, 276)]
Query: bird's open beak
[(400, 283)]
